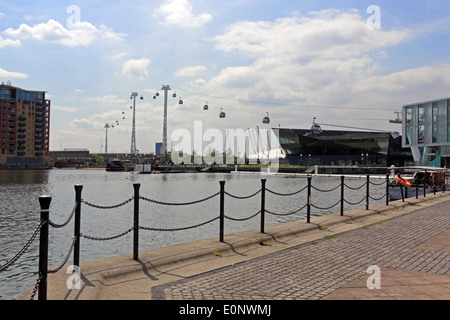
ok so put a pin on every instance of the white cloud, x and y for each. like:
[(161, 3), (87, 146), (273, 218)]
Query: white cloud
[(136, 68), (298, 58), (107, 100), (9, 43), (64, 109), (179, 13), (8, 74), (190, 71), (83, 33)]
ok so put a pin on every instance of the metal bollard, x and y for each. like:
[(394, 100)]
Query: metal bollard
[(77, 226), (342, 195), (308, 203), (222, 210), (387, 189), (263, 203), (367, 192), (136, 222), (44, 202)]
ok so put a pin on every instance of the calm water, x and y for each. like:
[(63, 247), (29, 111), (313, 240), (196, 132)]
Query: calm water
[(19, 211)]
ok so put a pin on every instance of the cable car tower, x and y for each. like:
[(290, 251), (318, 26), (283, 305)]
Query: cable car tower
[(166, 89), (133, 131)]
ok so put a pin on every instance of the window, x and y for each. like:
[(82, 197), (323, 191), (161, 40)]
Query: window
[(448, 120), (409, 125), (435, 124), (421, 122)]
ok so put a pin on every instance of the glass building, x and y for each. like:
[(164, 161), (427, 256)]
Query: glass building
[(426, 130), (329, 147)]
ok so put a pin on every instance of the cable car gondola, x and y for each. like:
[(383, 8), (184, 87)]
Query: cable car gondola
[(174, 95), (266, 119), (181, 101), (222, 114), (315, 129), (205, 107)]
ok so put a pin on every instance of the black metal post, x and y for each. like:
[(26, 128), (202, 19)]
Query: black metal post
[(367, 192), (222, 210), (425, 185), (342, 195), (77, 224), (434, 183), (44, 202), (401, 191), (417, 187), (443, 184), (136, 222), (308, 203), (387, 189), (263, 203)]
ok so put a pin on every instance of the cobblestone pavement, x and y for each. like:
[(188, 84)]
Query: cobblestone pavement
[(313, 270)]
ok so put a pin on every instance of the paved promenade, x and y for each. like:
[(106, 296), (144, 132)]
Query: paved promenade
[(407, 246)]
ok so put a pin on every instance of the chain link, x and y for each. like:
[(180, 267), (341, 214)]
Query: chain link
[(35, 288), (355, 203), (180, 203), (357, 188), (105, 239), (54, 225), (326, 207), (22, 251), (244, 197), (107, 207), (286, 214), (286, 194), (65, 259), (326, 190), (243, 219), (178, 229)]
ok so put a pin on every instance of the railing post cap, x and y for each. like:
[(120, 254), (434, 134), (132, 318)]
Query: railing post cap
[(45, 201), (78, 187)]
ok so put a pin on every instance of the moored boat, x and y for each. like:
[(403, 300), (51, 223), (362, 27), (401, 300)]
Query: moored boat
[(115, 165)]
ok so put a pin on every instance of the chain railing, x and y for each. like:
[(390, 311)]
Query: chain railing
[(42, 229)]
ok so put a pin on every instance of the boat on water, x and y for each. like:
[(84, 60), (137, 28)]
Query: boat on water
[(115, 165), (417, 181)]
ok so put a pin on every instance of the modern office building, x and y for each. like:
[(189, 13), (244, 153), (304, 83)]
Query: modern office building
[(158, 148), (25, 128), (426, 130), (330, 147)]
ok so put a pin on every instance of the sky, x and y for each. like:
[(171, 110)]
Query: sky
[(345, 63)]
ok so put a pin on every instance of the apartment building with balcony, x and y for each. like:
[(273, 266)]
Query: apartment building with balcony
[(24, 128)]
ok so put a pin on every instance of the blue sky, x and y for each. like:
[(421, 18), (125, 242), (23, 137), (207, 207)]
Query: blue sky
[(294, 59)]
